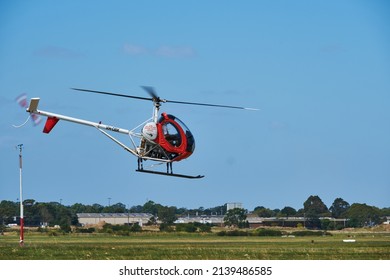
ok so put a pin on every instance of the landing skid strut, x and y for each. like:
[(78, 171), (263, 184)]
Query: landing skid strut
[(169, 174)]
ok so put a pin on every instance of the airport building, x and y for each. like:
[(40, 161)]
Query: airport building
[(233, 205), (86, 219)]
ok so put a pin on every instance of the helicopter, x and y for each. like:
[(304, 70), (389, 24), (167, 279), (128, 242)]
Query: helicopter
[(162, 138)]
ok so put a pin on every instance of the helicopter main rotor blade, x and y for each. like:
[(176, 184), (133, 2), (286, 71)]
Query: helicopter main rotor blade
[(153, 93), (211, 105), (114, 94), (157, 99)]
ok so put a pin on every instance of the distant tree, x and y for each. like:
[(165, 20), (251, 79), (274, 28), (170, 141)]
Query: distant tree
[(181, 211), (74, 220), (8, 210), (339, 207), (95, 208), (65, 217), (288, 211), (45, 213), (136, 209), (385, 211), (264, 212), (167, 215), (151, 207), (28, 202), (300, 213), (78, 208), (361, 215), (236, 217), (257, 208), (32, 214), (314, 208), (115, 208)]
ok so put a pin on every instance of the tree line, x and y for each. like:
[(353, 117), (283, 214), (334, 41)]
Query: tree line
[(313, 211)]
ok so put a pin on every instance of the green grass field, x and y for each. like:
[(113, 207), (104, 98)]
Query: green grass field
[(183, 246)]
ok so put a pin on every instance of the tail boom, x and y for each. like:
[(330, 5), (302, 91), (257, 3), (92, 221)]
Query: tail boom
[(53, 118)]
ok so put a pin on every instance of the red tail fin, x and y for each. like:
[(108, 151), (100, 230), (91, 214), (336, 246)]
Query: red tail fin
[(50, 123)]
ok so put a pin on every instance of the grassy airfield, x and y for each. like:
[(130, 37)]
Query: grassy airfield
[(368, 245)]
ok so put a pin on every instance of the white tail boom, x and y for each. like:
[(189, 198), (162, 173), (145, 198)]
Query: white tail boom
[(52, 119)]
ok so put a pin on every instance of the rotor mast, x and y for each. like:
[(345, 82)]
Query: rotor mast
[(156, 109), (156, 101)]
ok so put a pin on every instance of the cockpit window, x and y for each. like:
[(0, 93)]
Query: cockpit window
[(190, 137), (171, 134)]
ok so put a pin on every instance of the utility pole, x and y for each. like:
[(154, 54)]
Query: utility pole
[(21, 241)]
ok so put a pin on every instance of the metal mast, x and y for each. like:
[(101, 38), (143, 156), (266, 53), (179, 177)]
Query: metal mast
[(21, 241)]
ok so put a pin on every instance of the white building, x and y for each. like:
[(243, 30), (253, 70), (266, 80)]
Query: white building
[(232, 205), (113, 218)]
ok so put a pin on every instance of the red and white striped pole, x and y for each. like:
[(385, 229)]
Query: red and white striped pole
[(21, 241)]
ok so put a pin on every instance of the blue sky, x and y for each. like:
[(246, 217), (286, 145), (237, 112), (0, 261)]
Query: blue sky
[(318, 70)]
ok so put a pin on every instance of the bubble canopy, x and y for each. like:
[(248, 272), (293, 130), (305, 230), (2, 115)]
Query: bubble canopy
[(176, 133)]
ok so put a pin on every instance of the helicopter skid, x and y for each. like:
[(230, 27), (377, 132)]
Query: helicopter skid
[(169, 174)]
